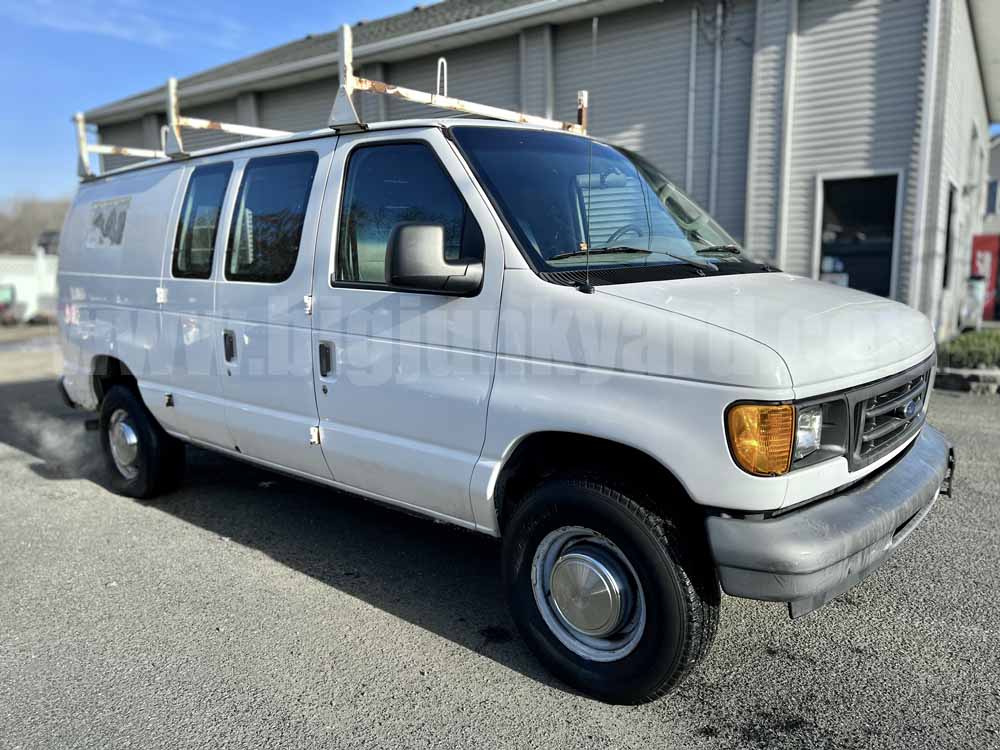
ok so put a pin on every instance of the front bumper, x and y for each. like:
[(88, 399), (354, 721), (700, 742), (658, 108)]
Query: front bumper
[(807, 557)]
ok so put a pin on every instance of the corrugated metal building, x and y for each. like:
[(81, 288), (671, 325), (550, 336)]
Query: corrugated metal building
[(845, 139)]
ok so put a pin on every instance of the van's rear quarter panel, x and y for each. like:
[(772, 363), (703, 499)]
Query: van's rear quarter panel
[(107, 295)]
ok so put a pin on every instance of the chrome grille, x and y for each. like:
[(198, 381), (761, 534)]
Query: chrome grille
[(888, 412)]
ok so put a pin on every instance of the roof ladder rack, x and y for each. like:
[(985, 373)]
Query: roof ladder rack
[(173, 144), (344, 117), (85, 149)]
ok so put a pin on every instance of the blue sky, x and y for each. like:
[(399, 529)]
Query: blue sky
[(60, 56)]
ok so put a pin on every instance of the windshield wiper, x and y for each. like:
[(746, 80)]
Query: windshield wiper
[(600, 251), (686, 259), (730, 248)]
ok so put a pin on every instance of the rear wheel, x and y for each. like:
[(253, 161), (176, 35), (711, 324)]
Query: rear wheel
[(143, 460), (605, 590)]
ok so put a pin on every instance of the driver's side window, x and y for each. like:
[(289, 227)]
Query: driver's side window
[(390, 183)]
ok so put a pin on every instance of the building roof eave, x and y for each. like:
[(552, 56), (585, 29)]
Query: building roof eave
[(986, 29)]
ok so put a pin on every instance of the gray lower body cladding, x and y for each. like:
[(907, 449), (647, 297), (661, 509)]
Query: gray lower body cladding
[(809, 556)]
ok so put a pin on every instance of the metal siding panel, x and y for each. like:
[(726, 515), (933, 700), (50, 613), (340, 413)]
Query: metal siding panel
[(224, 111), (486, 73), (856, 107), (734, 120), (533, 76), (637, 83), (703, 102), (305, 106), (371, 107), (764, 182), (129, 133)]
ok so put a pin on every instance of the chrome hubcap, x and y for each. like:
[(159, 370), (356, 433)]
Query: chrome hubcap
[(588, 594), (124, 444)]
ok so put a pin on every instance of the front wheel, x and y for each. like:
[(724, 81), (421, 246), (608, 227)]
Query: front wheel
[(606, 592)]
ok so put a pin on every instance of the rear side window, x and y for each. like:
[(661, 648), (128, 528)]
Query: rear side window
[(199, 222), (392, 183), (270, 211)]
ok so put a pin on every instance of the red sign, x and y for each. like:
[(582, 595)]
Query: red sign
[(985, 259)]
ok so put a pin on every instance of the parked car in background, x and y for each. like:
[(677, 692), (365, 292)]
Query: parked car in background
[(8, 298)]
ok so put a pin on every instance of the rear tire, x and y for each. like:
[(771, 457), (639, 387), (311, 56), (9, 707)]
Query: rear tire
[(656, 591), (143, 460)]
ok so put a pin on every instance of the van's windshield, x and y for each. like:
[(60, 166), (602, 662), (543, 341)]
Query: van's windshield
[(571, 201)]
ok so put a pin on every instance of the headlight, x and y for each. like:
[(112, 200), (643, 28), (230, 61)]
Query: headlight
[(760, 436), (808, 431)]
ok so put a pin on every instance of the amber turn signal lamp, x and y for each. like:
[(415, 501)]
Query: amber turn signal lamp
[(761, 437)]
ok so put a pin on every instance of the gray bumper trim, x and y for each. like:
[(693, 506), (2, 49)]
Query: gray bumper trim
[(808, 557)]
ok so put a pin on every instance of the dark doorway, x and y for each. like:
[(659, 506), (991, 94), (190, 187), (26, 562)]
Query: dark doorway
[(858, 232)]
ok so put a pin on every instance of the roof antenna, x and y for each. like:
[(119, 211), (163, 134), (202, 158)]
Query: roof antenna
[(582, 104)]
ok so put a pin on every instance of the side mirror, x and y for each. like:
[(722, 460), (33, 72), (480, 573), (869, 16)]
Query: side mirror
[(414, 259)]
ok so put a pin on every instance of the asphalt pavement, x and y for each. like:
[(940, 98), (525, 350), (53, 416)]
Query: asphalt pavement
[(251, 610)]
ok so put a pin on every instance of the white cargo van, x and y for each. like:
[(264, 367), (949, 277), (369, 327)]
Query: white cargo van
[(523, 332)]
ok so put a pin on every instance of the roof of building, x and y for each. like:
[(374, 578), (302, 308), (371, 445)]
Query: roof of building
[(314, 49), (420, 18), (459, 19)]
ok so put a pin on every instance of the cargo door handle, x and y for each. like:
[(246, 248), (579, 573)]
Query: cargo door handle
[(229, 344), (325, 358)]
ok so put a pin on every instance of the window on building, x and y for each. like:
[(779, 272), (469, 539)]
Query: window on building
[(270, 212), (858, 233), (392, 183), (198, 225), (991, 197)]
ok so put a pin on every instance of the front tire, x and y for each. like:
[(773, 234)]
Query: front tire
[(606, 591), (143, 461)]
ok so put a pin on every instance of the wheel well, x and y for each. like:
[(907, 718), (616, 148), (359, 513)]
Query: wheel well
[(545, 454), (109, 371)]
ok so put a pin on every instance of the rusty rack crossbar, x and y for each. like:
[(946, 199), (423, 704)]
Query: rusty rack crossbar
[(343, 117)]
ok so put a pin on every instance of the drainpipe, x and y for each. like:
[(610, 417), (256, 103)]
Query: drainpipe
[(748, 208), (692, 85), (522, 69), (919, 254), (713, 178), (550, 71), (787, 108)]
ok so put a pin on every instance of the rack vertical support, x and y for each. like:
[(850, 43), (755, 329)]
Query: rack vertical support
[(173, 143), (83, 161), (582, 107), (344, 115)]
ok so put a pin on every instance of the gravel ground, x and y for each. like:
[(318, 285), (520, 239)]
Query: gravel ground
[(253, 610)]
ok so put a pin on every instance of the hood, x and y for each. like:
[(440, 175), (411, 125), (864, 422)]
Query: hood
[(829, 337)]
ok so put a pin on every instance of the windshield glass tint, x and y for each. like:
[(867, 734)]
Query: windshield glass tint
[(563, 195)]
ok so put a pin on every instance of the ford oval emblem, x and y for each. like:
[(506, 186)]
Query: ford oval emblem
[(911, 408)]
